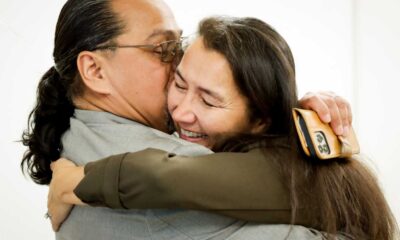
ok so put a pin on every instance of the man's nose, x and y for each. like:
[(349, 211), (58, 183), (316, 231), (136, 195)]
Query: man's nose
[(184, 113)]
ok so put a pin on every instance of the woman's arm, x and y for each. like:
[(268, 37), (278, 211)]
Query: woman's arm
[(330, 108), (156, 179), (241, 185)]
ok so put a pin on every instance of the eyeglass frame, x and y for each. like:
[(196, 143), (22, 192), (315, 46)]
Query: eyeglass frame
[(176, 52)]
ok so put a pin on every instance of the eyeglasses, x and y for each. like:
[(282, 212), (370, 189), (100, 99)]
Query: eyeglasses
[(169, 51)]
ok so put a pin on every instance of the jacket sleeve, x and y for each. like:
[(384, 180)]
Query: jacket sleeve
[(246, 186)]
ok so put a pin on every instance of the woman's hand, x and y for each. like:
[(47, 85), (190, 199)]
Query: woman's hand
[(331, 109), (66, 176), (58, 211)]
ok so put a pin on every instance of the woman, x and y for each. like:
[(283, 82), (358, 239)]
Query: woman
[(234, 91)]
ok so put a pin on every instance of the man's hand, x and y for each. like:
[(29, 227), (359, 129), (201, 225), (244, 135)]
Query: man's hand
[(66, 176), (331, 109)]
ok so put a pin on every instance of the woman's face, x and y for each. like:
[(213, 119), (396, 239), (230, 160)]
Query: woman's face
[(203, 99)]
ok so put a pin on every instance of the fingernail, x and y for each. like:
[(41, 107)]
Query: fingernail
[(326, 118), (339, 130), (346, 130)]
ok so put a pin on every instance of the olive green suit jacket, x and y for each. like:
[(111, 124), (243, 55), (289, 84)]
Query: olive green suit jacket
[(246, 186)]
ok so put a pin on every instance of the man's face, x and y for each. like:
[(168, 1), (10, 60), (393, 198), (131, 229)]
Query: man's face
[(138, 76)]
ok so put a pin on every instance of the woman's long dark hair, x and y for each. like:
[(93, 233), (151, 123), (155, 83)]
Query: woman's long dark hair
[(334, 196), (82, 25)]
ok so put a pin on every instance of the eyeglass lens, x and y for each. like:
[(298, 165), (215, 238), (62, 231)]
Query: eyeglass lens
[(170, 51)]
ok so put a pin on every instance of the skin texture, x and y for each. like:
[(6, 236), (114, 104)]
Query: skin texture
[(131, 82), (60, 202), (204, 99)]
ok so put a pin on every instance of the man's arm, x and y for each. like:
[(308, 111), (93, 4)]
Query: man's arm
[(331, 109)]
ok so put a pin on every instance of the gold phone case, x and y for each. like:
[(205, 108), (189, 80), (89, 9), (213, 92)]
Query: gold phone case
[(318, 139)]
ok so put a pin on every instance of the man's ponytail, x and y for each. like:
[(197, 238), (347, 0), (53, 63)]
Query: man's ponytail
[(82, 26), (47, 122)]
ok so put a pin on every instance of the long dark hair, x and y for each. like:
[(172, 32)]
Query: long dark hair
[(247, 43), (82, 25), (334, 196)]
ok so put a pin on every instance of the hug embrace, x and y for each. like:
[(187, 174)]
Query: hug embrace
[(171, 139)]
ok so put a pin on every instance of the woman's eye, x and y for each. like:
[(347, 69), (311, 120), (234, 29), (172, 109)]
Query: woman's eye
[(179, 86), (208, 104)]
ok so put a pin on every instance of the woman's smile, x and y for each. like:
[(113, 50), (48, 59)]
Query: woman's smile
[(203, 99), (191, 136)]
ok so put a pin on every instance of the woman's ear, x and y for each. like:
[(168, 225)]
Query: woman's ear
[(260, 126), (90, 67)]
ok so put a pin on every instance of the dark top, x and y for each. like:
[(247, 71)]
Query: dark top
[(246, 186)]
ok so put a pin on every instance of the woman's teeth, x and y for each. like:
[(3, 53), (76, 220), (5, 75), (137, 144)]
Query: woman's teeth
[(192, 134)]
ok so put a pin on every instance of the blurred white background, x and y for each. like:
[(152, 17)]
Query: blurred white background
[(348, 46)]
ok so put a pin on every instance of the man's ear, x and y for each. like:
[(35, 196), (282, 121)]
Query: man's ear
[(90, 66)]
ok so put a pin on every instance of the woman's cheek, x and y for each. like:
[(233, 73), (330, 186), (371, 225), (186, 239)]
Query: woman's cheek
[(171, 98)]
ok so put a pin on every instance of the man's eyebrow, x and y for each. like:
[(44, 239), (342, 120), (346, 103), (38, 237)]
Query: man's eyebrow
[(207, 91), (168, 33)]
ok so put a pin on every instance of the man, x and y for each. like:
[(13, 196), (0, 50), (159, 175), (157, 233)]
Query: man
[(130, 83)]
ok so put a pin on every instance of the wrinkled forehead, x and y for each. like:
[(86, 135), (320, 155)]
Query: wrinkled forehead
[(146, 20)]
